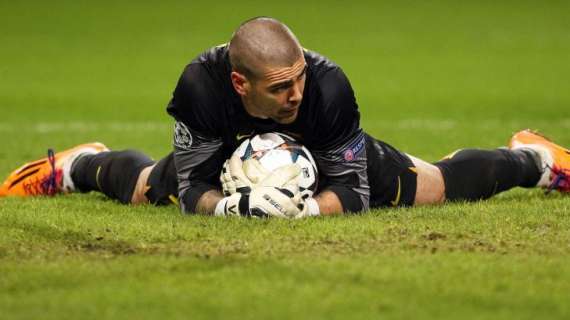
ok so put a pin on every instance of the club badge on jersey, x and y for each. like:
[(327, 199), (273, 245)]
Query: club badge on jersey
[(182, 136)]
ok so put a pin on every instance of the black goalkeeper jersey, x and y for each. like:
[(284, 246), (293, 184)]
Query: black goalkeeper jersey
[(210, 120)]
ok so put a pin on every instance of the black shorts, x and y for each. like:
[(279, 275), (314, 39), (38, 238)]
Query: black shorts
[(392, 175), (163, 182)]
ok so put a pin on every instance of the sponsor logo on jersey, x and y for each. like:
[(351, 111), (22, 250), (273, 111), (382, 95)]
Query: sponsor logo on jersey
[(182, 136), (241, 136)]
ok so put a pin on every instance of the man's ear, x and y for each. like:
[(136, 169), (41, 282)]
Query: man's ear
[(240, 83)]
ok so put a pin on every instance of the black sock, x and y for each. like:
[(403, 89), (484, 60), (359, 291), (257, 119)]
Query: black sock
[(114, 173), (472, 174)]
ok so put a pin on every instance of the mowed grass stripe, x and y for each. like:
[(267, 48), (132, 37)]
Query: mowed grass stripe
[(507, 225), (296, 287), (428, 124)]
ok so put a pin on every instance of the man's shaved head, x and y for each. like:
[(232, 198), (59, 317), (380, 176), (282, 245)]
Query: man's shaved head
[(263, 42)]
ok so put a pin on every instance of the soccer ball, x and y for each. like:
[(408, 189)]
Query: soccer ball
[(273, 150)]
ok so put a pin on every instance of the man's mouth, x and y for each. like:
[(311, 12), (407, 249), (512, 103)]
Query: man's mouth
[(290, 109), (288, 112)]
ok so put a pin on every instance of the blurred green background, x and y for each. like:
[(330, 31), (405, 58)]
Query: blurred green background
[(430, 76)]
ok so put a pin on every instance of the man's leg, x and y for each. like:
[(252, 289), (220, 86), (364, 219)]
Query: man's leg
[(430, 186), (159, 183), (473, 174), (114, 173), (127, 176), (532, 160), (141, 187)]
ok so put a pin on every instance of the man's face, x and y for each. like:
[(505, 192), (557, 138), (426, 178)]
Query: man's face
[(277, 95)]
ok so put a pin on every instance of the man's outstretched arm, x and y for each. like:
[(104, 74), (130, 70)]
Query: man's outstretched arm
[(208, 201), (329, 203)]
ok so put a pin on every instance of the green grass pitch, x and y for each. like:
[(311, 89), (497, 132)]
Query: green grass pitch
[(430, 77)]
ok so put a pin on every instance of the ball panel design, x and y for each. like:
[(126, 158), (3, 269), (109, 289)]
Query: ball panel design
[(274, 150)]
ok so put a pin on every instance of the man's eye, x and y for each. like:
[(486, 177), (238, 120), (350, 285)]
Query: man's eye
[(278, 89)]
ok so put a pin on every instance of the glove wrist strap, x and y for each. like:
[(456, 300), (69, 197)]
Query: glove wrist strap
[(220, 209), (243, 205), (312, 207)]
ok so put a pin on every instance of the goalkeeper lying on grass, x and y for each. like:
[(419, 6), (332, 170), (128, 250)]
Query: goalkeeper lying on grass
[(264, 81)]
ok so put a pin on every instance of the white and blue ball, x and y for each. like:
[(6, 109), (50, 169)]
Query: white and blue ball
[(274, 150)]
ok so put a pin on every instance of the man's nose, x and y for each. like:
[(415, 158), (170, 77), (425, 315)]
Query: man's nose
[(295, 94)]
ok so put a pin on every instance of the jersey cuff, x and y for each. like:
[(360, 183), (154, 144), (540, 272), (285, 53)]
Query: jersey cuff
[(349, 198), (190, 198)]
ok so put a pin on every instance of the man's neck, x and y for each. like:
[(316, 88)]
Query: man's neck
[(251, 110)]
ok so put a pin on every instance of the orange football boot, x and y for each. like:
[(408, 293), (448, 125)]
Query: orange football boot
[(48, 176), (556, 159)]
